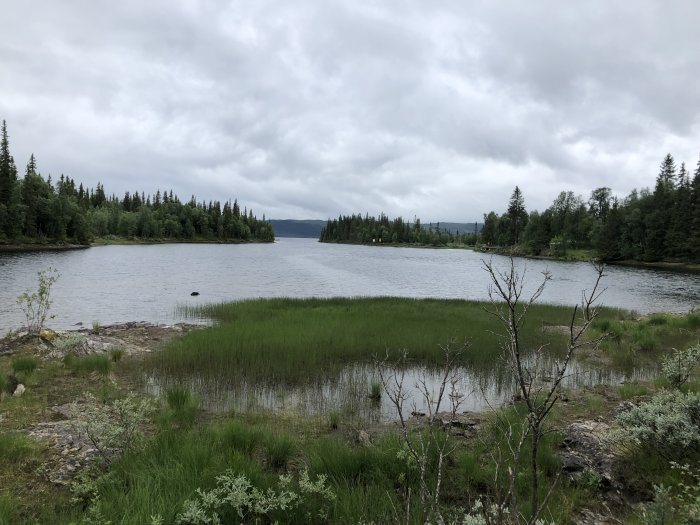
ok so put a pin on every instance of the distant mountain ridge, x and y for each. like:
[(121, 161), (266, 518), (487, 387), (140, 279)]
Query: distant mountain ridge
[(297, 228), (311, 228)]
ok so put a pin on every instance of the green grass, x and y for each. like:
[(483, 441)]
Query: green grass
[(14, 447), (182, 406), (101, 364), (293, 339), (24, 365)]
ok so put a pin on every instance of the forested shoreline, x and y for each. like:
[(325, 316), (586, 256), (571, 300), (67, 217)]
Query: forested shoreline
[(656, 225), (37, 210), (356, 229), (647, 226)]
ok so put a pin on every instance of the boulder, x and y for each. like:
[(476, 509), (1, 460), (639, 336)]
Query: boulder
[(19, 390)]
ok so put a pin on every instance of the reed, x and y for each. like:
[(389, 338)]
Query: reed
[(294, 339)]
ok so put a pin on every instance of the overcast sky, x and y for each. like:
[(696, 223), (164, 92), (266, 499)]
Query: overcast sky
[(308, 109)]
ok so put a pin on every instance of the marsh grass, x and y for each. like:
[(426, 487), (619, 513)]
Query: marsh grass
[(375, 391), (182, 406), (297, 339)]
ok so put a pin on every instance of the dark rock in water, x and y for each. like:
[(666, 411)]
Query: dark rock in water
[(194, 294)]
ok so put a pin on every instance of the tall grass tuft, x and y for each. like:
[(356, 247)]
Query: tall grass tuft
[(375, 391), (279, 448), (182, 405), (24, 365), (101, 364)]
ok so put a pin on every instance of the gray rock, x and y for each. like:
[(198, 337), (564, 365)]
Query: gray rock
[(19, 390)]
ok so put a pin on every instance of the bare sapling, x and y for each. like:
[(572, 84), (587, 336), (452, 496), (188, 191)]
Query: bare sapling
[(536, 397), (434, 440)]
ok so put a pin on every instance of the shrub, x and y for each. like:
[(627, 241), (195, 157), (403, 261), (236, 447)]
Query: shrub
[(24, 365), (236, 499), (668, 423), (680, 365), (71, 342), (112, 428), (35, 305)]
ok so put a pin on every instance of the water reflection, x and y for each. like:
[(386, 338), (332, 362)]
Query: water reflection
[(348, 392)]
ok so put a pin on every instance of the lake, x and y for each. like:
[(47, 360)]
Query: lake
[(111, 284)]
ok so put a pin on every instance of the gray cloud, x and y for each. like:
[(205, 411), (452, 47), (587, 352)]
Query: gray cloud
[(309, 109)]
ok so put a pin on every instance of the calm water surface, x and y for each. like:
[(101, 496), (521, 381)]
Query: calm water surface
[(111, 284)]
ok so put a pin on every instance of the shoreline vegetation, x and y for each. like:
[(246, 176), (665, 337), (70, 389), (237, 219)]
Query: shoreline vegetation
[(35, 211), (659, 228), (341, 469)]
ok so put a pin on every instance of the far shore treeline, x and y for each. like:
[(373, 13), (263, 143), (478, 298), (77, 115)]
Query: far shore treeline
[(34, 209), (645, 226), (366, 230)]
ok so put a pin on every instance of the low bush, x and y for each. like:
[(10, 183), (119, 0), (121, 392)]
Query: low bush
[(669, 423)]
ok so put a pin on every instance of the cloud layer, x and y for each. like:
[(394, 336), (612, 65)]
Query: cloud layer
[(307, 109)]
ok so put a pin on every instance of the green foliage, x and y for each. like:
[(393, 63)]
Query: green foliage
[(114, 428), (677, 503), (632, 390), (646, 226), (669, 423), (116, 354), (24, 365), (236, 499), (375, 391), (380, 230), (32, 209), (182, 404), (14, 447), (69, 343), (35, 305), (295, 339), (679, 366), (279, 448), (102, 364)]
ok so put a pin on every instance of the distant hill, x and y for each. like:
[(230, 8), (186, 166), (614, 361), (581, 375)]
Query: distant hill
[(297, 228), (312, 228)]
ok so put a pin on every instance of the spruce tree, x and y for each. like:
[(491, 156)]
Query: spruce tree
[(694, 234), (8, 171), (517, 215)]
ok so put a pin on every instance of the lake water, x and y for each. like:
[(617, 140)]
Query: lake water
[(110, 284)]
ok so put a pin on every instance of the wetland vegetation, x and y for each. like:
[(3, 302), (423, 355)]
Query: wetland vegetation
[(312, 468)]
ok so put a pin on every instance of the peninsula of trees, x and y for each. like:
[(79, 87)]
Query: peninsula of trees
[(646, 226), (356, 229), (34, 209)]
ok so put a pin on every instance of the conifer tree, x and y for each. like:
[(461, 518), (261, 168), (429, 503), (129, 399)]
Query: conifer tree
[(8, 170), (517, 215)]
